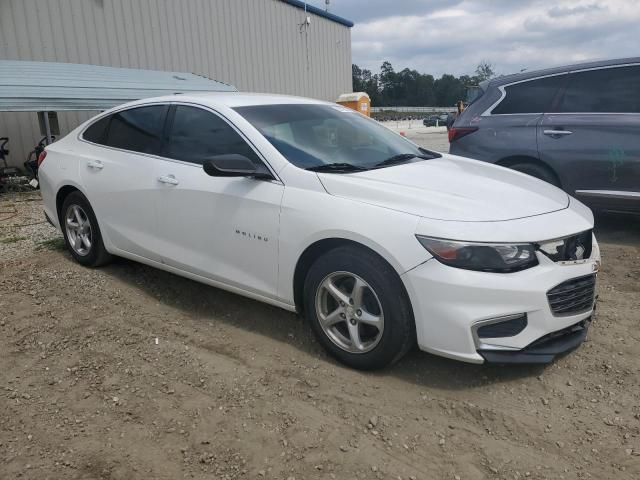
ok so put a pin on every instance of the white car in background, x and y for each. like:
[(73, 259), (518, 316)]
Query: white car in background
[(317, 209)]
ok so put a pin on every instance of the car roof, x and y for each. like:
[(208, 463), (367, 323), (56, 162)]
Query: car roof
[(517, 77), (232, 99)]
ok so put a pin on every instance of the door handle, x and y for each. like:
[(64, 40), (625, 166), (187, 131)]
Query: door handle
[(557, 133), (95, 164), (168, 179)]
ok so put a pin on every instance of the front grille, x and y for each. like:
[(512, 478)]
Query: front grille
[(573, 296), (575, 247), (507, 328)]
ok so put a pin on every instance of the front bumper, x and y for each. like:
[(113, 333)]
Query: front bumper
[(543, 350), (449, 305)]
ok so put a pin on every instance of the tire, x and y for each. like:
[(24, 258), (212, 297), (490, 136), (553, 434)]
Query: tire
[(538, 171), (77, 220), (381, 295)]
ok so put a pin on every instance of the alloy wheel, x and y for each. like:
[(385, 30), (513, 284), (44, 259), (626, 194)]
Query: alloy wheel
[(78, 228), (349, 312)]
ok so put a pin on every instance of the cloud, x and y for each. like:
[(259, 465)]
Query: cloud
[(566, 11), (361, 11), (437, 37)]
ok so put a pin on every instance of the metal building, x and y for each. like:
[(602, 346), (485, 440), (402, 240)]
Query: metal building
[(255, 45)]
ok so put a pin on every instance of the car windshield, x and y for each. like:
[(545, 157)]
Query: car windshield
[(331, 138)]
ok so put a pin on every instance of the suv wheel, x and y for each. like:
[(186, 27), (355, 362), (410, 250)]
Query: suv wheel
[(358, 308), (538, 171)]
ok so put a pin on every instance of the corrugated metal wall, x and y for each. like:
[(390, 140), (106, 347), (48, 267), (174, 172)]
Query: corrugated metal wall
[(256, 45)]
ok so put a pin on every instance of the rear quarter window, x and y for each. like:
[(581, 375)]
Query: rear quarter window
[(531, 96), (137, 129), (97, 131)]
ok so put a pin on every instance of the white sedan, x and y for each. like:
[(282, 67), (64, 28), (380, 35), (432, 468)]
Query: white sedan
[(317, 209)]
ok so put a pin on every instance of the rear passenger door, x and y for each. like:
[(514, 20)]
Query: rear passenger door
[(593, 135), (221, 228), (117, 172)]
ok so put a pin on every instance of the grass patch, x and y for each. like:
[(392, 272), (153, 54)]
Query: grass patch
[(9, 240), (51, 244)]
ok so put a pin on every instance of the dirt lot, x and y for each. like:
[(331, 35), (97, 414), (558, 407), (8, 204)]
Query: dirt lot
[(433, 138), (127, 372)]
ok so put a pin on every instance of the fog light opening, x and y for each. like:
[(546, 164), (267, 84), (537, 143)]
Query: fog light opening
[(503, 327)]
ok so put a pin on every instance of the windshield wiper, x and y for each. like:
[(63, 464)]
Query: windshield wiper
[(401, 158), (336, 167)]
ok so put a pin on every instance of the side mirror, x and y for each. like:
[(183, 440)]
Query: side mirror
[(230, 165)]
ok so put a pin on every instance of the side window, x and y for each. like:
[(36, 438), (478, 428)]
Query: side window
[(138, 129), (610, 90), (533, 96), (197, 135), (97, 131)]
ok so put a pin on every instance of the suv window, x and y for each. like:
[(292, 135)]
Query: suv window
[(532, 96), (138, 129), (97, 131), (197, 135), (608, 90)]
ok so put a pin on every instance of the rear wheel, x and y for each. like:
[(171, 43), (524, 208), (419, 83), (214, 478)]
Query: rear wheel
[(358, 309), (81, 231), (538, 171)]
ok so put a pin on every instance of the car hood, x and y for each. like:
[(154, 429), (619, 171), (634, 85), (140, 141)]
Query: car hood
[(450, 188)]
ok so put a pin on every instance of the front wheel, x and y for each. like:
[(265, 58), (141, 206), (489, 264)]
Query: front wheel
[(358, 309)]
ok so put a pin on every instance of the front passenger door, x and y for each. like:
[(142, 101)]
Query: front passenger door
[(221, 228)]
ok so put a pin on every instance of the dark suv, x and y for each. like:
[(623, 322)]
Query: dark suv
[(577, 127)]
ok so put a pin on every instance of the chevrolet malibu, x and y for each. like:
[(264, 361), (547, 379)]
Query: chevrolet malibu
[(312, 207)]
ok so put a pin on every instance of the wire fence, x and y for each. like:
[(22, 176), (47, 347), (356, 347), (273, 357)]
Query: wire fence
[(414, 109), (416, 124)]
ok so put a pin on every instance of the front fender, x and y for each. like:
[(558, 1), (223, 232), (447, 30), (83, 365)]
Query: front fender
[(308, 217)]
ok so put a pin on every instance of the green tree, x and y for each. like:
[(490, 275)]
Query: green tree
[(449, 90), (364, 81), (388, 84), (411, 88), (484, 71)]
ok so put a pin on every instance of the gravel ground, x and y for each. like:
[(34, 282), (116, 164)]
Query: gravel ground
[(23, 228), (433, 138), (127, 372)]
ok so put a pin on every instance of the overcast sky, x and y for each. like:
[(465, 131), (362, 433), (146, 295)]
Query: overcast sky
[(453, 36)]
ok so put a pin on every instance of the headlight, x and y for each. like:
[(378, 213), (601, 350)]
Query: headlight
[(484, 257)]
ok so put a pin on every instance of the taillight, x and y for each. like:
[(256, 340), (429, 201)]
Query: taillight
[(41, 157), (458, 132)]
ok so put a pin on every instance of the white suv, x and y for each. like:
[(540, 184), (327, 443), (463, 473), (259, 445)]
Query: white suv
[(315, 208)]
